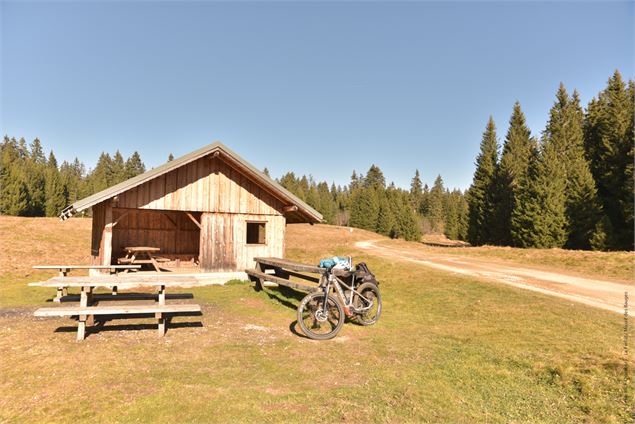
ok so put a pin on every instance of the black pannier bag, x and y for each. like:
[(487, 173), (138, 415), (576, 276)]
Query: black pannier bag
[(362, 271)]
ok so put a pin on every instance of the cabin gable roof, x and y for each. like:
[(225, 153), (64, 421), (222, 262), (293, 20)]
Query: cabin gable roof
[(297, 210)]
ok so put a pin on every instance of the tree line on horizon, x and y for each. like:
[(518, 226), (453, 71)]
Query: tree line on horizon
[(32, 184), (367, 202), (571, 188)]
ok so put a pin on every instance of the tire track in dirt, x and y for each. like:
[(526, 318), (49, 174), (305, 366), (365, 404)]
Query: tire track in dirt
[(602, 294)]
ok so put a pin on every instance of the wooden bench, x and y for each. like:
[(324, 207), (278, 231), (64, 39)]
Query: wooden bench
[(83, 313)]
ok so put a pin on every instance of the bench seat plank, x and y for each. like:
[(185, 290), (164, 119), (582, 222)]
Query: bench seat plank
[(116, 310)]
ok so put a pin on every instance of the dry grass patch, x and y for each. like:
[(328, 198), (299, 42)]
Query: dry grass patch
[(447, 349)]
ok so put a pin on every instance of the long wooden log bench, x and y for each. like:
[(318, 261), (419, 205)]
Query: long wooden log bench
[(83, 313)]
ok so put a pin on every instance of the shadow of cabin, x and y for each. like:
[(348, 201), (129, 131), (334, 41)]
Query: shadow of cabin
[(209, 209)]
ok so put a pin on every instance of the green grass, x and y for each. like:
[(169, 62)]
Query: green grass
[(447, 348)]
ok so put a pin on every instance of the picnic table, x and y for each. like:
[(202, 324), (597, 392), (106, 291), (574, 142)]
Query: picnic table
[(140, 255), (87, 310), (65, 269)]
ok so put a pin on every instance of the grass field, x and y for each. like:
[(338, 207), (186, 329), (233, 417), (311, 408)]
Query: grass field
[(447, 349)]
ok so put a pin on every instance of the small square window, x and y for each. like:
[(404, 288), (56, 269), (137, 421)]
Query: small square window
[(256, 233)]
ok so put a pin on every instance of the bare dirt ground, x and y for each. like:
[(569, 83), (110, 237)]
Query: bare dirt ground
[(608, 295)]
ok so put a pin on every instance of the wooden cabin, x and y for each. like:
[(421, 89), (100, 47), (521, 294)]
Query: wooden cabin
[(209, 209)]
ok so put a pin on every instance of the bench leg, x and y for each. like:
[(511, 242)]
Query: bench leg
[(114, 290), (161, 322), (59, 294), (81, 328), (162, 295)]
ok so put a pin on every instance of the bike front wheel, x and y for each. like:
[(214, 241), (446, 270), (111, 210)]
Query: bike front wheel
[(316, 322)]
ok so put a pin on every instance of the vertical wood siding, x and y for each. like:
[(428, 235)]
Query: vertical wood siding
[(173, 232), (219, 196), (205, 185), (223, 244)]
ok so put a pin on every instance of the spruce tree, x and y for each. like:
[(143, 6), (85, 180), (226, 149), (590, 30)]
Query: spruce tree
[(511, 173), (133, 166), (436, 206), (374, 179), (118, 168), (406, 225), (480, 196), (539, 216), (56, 194), (385, 218), (364, 209), (416, 191), (565, 132), (609, 142)]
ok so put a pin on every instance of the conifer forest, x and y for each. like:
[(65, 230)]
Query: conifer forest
[(571, 186)]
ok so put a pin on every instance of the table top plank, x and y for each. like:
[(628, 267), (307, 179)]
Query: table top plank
[(87, 266), (142, 249), (121, 281)]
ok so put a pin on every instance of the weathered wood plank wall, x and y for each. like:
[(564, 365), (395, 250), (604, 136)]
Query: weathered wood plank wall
[(171, 231), (221, 198), (223, 240), (205, 185)]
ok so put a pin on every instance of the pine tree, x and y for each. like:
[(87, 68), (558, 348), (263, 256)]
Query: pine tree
[(170, 157), (436, 212), (37, 152), (326, 203), (364, 209), (56, 194), (416, 191), (565, 132), (101, 177), (34, 166), (539, 216), (406, 225), (385, 218), (609, 142), (134, 166), (510, 174), (374, 179), (481, 194), (118, 168)]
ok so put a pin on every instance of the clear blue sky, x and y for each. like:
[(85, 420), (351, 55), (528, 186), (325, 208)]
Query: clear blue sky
[(317, 88)]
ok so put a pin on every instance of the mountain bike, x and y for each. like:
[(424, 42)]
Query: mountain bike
[(321, 314)]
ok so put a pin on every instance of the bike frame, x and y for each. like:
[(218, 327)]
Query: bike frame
[(338, 283)]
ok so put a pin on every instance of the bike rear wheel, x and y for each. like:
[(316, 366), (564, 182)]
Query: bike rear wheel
[(369, 306), (314, 322)]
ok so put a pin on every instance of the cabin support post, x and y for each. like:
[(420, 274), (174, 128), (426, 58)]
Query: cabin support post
[(107, 236)]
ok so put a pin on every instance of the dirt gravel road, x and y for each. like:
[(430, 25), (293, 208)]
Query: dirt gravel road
[(601, 294)]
